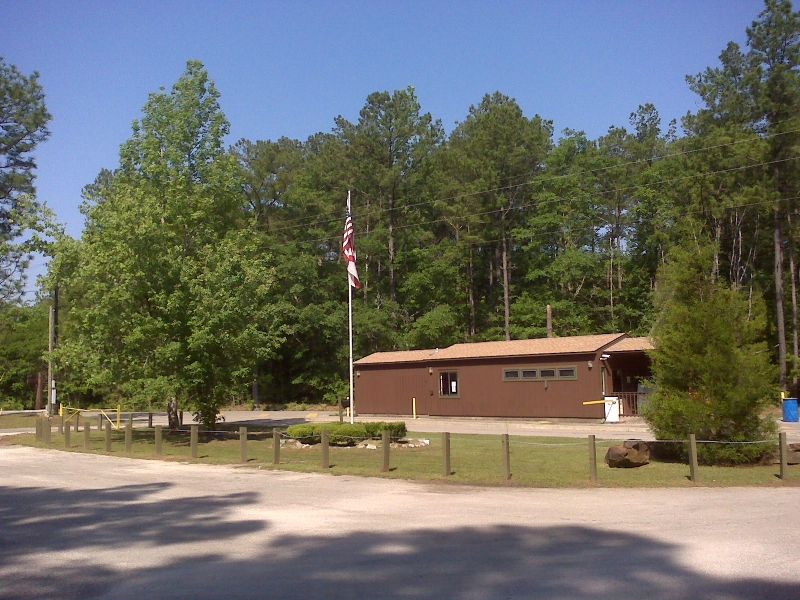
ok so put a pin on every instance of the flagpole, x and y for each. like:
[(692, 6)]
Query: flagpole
[(350, 330), (350, 320)]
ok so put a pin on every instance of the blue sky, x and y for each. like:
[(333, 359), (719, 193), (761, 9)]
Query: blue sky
[(289, 68)]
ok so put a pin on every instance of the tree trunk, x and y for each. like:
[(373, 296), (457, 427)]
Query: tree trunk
[(40, 382), (392, 282), (172, 413), (717, 239), (364, 275), (491, 267), (611, 279), (506, 295), (794, 310), (256, 389), (471, 283), (779, 296)]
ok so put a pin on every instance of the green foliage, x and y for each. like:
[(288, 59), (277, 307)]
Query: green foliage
[(397, 429), (202, 270), (23, 345), (302, 431), (712, 373), (170, 293), (345, 433), (437, 328), (24, 222)]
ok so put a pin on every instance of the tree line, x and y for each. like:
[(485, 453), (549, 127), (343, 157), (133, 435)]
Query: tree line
[(204, 270)]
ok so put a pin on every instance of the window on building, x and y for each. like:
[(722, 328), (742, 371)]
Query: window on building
[(531, 373), (448, 383)]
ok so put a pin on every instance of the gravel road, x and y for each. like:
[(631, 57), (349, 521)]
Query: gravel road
[(87, 526)]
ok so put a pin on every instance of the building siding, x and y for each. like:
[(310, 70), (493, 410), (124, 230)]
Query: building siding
[(389, 388)]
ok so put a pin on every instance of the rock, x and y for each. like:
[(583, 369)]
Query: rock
[(792, 455), (632, 453), (371, 447)]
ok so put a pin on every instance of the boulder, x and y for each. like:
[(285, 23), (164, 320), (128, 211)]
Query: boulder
[(792, 455), (632, 453)]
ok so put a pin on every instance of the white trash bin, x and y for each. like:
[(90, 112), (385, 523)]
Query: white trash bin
[(612, 408)]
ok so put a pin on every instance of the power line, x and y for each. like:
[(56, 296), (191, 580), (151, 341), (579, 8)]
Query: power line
[(375, 211), (553, 200)]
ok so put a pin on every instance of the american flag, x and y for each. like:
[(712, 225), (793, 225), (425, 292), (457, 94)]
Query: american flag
[(349, 250)]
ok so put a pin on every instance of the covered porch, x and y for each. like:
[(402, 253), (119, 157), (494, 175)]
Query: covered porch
[(626, 372)]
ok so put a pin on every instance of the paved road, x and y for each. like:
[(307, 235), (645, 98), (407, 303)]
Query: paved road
[(87, 526), (628, 428)]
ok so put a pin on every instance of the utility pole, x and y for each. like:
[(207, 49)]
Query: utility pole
[(549, 321)]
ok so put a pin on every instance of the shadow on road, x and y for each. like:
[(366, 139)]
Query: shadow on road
[(468, 562), (37, 520)]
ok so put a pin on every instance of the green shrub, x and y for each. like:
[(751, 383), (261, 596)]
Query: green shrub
[(345, 433), (304, 431), (397, 429)]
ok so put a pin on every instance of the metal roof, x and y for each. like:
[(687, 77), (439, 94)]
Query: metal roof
[(580, 344)]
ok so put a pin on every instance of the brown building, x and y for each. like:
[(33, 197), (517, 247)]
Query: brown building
[(547, 377)]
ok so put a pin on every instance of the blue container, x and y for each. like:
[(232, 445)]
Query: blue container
[(790, 410)]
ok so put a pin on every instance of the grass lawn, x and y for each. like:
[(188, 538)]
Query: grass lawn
[(17, 421), (475, 459)]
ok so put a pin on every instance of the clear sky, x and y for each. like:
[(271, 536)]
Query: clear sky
[(288, 68)]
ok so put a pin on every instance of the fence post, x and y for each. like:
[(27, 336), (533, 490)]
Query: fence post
[(784, 454), (100, 422), (193, 441), (158, 440), (46, 430), (108, 436), (243, 444), (39, 428), (506, 456), (693, 475), (446, 452), (61, 424), (592, 460), (87, 436), (276, 447), (129, 435), (77, 421), (326, 462), (150, 420), (386, 442), (66, 435)]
